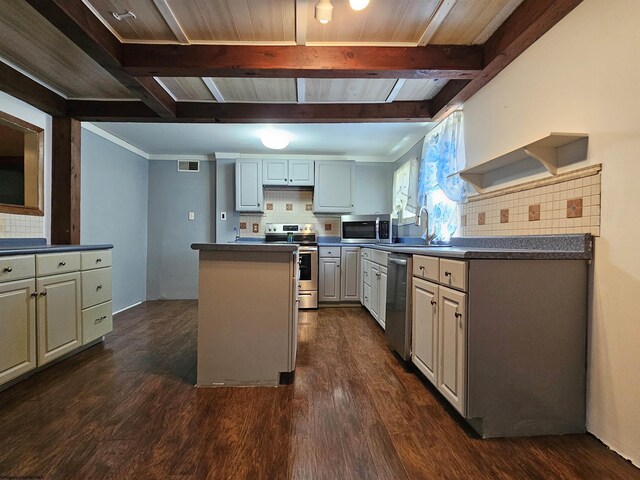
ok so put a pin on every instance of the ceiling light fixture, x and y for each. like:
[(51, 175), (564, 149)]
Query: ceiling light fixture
[(324, 11), (275, 139), (358, 4), (122, 16)]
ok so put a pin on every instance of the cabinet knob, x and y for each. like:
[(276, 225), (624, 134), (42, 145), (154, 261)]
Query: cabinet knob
[(62, 264), (433, 302), (34, 294), (8, 269), (43, 293), (422, 267), (99, 287), (447, 274), (98, 260)]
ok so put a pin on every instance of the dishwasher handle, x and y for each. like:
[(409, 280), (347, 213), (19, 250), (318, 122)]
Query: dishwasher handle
[(397, 261)]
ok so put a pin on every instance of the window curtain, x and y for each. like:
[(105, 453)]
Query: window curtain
[(442, 155)]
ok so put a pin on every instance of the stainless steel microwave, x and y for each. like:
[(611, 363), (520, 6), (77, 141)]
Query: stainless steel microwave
[(378, 228)]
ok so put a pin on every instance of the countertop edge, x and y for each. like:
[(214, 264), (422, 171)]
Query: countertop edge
[(33, 250), (244, 247)]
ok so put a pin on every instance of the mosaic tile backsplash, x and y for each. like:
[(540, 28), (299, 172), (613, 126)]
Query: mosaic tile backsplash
[(569, 204), (21, 226), (288, 206)]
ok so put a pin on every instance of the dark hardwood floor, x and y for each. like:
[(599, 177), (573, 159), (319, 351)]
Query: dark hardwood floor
[(128, 408)]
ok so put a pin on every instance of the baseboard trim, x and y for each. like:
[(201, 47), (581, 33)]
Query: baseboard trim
[(127, 308)]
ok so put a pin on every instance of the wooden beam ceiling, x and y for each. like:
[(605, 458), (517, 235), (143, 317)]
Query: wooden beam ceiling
[(468, 69), (209, 112), (531, 20), (82, 27), (431, 61), (22, 87)]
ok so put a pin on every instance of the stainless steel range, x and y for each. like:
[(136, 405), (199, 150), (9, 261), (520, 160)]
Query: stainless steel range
[(304, 235)]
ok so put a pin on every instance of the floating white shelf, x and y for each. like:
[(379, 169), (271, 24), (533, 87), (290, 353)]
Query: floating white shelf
[(544, 151)]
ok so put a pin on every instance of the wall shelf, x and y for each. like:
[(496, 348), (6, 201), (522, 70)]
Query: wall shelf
[(544, 152)]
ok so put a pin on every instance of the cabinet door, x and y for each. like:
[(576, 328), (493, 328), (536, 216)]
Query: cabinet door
[(375, 290), (59, 319), (382, 296), (275, 172), (361, 281), (425, 328), (452, 346), (18, 327), (366, 294), (329, 279), (350, 273), (249, 186), (301, 172), (334, 186)]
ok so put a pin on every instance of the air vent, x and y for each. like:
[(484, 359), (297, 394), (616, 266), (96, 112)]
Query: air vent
[(188, 166)]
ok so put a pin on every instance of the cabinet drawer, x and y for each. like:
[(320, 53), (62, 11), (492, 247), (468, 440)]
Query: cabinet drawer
[(379, 256), (54, 263), (366, 253), (96, 322), (96, 287), (333, 252), (453, 273), (426, 267), (96, 259), (17, 268)]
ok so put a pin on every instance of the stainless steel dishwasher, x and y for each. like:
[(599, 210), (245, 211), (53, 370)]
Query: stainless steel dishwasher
[(398, 320)]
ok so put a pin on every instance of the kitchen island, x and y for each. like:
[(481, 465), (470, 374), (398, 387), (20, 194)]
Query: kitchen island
[(247, 314)]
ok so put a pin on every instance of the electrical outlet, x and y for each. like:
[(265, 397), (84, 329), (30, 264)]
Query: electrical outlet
[(223, 215), (192, 215)]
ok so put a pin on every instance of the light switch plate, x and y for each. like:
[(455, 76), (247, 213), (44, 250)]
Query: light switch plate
[(223, 215), (192, 215)]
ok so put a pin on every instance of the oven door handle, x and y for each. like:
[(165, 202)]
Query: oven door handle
[(377, 229)]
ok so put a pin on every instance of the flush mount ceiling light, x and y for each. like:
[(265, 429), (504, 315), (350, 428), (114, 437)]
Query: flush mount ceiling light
[(122, 16), (324, 11), (275, 139), (358, 4)]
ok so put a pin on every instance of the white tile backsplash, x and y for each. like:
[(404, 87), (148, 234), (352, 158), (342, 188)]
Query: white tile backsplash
[(278, 199), (21, 226)]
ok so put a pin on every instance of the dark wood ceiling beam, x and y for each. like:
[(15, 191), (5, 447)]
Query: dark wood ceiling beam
[(22, 87), (84, 29), (431, 61), (207, 112), (528, 22)]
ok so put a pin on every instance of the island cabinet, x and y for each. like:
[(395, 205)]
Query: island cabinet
[(335, 186), (97, 319), (288, 172), (504, 341), (247, 314), (249, 193), (17, 316)]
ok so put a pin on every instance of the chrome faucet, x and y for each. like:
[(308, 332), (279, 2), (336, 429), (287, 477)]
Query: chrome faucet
[(428, 237)]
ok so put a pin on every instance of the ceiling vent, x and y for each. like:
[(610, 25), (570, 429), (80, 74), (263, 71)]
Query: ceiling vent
[(188, 166)]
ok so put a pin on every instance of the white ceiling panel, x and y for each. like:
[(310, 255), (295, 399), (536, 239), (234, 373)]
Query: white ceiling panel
[(347, 90), (261, 90), (419, 89)]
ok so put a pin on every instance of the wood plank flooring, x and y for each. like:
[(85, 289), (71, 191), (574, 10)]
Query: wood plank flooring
[(128, 409)]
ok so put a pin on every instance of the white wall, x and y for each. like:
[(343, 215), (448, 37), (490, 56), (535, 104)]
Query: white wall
[(583, 76), (26, 112)]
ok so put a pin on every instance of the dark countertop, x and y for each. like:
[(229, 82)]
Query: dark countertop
[(245, 247), (33, 249), (538, 247)]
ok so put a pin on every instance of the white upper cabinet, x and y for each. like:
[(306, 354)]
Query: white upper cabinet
[(249, 186), (275, 172), (335, 185), (288, 172)]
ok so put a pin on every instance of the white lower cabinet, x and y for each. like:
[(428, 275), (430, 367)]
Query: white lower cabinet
[(41, 317), (374, 283), (18, 327), (350, 274), (59, 320), (452, 346), (439, 329), (424, 346), (329, 279)]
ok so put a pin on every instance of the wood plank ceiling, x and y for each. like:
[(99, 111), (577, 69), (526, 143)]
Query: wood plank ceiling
[(417, 59)]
